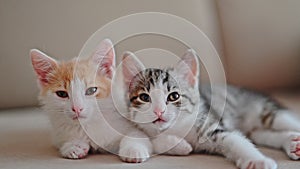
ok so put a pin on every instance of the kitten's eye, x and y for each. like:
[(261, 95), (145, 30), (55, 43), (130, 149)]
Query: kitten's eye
[(90, 91), (144, 97), (62, 94), (173, 96)]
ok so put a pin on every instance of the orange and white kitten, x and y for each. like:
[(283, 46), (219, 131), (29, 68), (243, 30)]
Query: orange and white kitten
[(72, 93)]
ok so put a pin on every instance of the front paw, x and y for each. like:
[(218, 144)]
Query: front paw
[(134, 154), (182, 148), (264, 163), (74, 149), (292, 146), (171, 145)]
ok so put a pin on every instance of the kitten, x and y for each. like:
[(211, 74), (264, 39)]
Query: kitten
[(76, 96), (164, 103)]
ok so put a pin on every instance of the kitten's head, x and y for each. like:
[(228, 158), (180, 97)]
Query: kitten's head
[(69, 89), (156, 96)]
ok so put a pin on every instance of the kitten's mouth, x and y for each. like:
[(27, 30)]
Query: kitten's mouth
[(78, 117), (159, 120)]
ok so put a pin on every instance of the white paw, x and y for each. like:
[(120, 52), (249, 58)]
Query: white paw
[(182, 148), (134, 154), (171, 144), (74, 149), (292, 146), (265, 163)]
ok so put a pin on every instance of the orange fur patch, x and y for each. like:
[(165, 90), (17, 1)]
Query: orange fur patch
[(60, 77)]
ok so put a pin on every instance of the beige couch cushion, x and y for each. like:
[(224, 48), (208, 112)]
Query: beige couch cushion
[(25, 143), (261, 41)]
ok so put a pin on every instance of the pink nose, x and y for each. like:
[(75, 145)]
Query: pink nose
[(77, 110), (159, 112)]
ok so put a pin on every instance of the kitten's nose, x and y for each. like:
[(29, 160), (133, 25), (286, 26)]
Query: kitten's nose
[(77, 110), (159, 112)]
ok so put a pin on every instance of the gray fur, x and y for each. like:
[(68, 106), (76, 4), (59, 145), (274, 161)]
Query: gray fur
[(215, 129)]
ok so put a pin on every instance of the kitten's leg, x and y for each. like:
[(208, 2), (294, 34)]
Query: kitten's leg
[(284, 120), (288, 141), (279, 130), (75, 149), (135, 147), (171, 145), (237, 148)]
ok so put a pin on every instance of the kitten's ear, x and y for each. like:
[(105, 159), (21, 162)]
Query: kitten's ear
[(131, 66), (188, 67), (42, 64), (104, 57)]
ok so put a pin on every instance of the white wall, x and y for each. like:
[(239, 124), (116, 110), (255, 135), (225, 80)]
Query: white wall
[(262, 42), (60, 28)]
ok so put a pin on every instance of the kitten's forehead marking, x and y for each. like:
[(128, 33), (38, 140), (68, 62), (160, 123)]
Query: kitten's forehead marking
[(77, 83), (158, 83), (158, 92), (77, 86)]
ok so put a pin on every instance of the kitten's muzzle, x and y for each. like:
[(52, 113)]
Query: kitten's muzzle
[(159, 114), (159, 120), (77, 111)]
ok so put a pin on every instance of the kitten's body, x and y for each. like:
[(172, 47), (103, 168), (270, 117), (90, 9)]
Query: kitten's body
[(154, 109), (76, 96)]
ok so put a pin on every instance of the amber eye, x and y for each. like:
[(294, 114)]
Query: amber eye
[(173, 96), (144, 97), (62, 94), (90, 91)]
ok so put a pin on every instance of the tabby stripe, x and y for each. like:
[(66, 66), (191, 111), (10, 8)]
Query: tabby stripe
[(217, 131), (267, 119), (133, 98), (150, 72), (166, 79), (151, 81), (189, 99), (215, 134), (148, 87), (177, 104), (168, 87)]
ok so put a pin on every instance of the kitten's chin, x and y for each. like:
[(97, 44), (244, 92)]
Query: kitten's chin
[(76, 119), (161, 124)]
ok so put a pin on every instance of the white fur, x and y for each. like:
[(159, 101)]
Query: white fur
[(242, 151), (171, 144), (201, 135), (288, 141), (285, 121), (73, 137), (80, 122)]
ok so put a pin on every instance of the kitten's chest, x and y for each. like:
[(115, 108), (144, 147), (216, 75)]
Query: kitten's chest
[(102, 137), (184, 126)]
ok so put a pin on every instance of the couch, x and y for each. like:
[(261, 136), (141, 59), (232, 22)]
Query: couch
[(257, 41)]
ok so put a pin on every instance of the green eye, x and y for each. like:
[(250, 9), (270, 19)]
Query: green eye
[(144, 97), (173, 96), (90, 91), (62, 94)]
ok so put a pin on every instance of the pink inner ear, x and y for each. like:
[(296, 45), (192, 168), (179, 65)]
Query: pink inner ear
[(187, 71), (43, 69), (42, 65), (108, 69), (104, 57), (106, 64), (131, 66), (192, 80), (188, 66), (42, 75), (193, 73), (128, 74)]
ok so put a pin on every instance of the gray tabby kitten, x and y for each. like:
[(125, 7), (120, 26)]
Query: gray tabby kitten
[(165, 103)]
